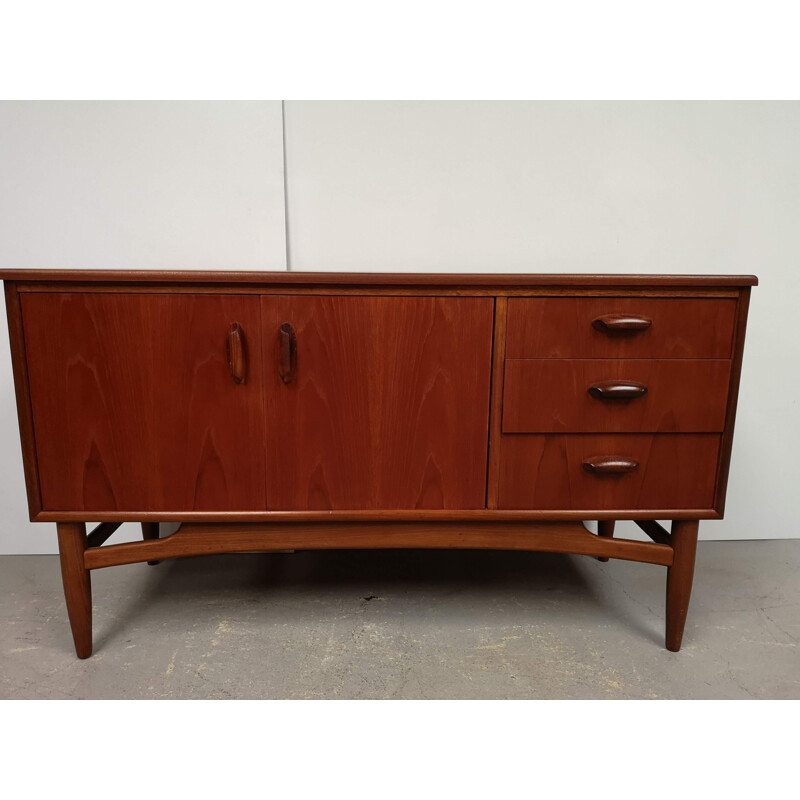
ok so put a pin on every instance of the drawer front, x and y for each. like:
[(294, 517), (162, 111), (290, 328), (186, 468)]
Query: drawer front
[(626, 395), (622, 472), (620, 327)]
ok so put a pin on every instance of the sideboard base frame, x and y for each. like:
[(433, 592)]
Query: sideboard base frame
[(80, 553)]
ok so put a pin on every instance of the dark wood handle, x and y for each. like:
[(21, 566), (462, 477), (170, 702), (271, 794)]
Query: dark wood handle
[(617, 390), (610, 465), (621, 323), (236, 353), (288, 360)]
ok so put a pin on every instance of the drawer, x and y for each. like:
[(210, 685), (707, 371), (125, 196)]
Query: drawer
[(610, 472), (620, 327), (608, 395)]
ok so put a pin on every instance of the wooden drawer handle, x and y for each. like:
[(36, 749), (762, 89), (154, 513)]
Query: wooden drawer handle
[(617, 390), (621, 323), (288, 358), (236, 353), (610, 465)]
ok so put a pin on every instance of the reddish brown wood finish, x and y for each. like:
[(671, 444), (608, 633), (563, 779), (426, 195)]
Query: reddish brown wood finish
[(77, 584), (150, 531), (422, 515), (237, 353), (733, 398), (134, 406), (552, 395), (206, 539), (605, 528), (496, 413), (19, 364), (547, 472), (610, 465), (679, 580), (388, 407), (157, 396), (367, 279), (563, 328), (266, 288)]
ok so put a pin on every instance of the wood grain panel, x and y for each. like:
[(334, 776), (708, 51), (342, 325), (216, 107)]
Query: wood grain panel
[(676, 471), (388, 407), (134, 405), (552, 395), (562, 328)]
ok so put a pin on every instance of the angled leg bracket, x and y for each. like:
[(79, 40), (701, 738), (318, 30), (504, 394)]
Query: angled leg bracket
[(655, 531), (101, 533)]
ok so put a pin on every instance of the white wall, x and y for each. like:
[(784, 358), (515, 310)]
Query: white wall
[(142, 185), (578, 187), (130, 185)]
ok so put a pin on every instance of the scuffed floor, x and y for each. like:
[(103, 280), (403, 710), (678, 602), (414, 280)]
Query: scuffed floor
[(407, 624)]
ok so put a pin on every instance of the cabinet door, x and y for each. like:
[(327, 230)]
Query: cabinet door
[(386, 404), (136, 404)]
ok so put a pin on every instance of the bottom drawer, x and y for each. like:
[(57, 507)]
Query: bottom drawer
[(608, 472)]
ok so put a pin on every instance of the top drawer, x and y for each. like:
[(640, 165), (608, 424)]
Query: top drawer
[(620, 327)]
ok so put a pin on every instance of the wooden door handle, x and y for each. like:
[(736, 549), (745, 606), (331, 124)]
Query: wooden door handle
[(617, 390), (621, 323), (236, 353), (288, 357), (610, 465)]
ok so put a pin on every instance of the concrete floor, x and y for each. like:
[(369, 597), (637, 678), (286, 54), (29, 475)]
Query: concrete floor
[(407, 624)]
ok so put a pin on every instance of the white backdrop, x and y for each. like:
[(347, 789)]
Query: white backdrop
[(490, 187)]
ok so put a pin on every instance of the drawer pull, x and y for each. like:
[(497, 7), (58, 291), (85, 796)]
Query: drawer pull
[(610, 465), (235, 353), (621, 324), (288, 358), (617, 390)]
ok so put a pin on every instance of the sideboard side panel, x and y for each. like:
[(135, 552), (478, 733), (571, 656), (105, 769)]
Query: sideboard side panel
[(19, 366), (733, 399)]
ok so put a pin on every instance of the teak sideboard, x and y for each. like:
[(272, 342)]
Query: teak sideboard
[(297, 411)]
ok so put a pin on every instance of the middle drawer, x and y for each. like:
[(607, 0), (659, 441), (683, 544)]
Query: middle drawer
[(615, 395)]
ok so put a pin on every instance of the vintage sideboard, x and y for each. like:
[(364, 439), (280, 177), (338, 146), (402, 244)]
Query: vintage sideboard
[(281, 411)]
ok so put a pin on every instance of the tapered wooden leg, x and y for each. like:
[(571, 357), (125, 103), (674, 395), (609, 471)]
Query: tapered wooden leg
[(77, 584), (150, 531), (679, 579), (605, 527)]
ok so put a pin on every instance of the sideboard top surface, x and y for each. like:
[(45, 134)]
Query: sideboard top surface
[(362, 279)]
